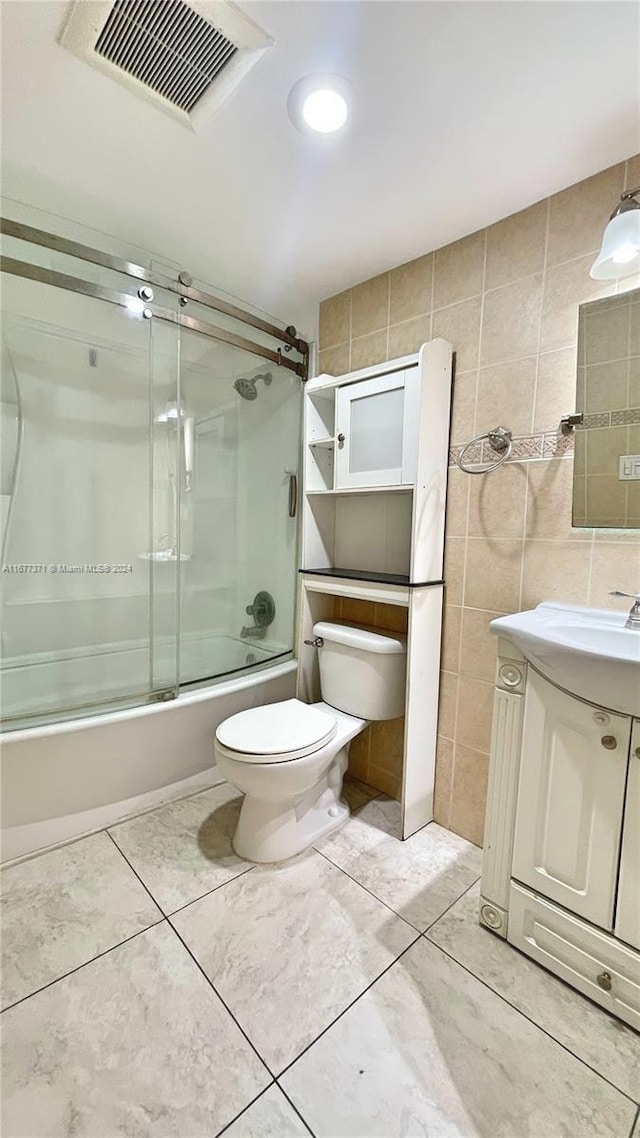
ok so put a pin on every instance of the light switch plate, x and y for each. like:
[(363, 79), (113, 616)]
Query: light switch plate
[(629, 468)]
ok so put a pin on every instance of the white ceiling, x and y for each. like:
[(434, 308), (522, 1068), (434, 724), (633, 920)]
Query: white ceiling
[(466, 112)]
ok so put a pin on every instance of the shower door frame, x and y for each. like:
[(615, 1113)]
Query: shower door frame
[(183, 287)]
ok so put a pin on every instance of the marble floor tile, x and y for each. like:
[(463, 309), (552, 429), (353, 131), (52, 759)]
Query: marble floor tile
[(63, 908), (429, 1050), (600, 1040), (418, 878), (183, 850), (356, 793), (136, 1043), (271, 1116), (288, 947)]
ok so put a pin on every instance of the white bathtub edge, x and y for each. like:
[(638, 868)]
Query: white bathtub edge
[(25, 842)]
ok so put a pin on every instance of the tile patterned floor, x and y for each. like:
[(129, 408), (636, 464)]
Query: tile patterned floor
[(156, 984)]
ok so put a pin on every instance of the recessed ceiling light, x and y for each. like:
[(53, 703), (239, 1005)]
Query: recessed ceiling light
[(320, 104)]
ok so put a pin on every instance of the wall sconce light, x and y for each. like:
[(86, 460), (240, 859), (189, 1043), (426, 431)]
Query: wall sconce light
[(620, 252)]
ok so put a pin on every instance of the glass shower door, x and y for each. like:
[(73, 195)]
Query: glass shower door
[(89, 608), (238, 516)]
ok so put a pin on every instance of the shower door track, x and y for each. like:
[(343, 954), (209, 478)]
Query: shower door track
[(149, 276), (87, 288)]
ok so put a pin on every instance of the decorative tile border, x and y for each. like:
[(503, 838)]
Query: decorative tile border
[(610, 418), (527, 448), (620, 418)]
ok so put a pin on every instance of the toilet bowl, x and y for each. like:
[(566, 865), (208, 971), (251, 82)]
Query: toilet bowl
[(289, 758)]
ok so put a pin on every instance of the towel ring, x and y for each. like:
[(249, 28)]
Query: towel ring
[(499, 439)]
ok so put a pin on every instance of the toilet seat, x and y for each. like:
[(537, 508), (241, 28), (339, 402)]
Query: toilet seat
[(275, 733)]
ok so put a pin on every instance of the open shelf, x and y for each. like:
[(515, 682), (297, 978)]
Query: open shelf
[(371, 575), (328, 442), (346, 493)]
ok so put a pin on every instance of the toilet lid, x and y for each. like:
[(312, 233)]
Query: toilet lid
[(277, 729)]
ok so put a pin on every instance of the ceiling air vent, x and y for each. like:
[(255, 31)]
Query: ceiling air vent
[(185, 57)]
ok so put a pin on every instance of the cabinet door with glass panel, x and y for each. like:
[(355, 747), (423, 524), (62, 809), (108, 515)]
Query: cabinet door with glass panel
[(376, 428)]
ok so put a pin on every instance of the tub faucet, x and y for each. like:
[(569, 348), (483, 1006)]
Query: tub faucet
[(633, 619)]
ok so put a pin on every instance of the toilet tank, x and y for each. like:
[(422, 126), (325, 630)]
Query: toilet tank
[(362, 671)]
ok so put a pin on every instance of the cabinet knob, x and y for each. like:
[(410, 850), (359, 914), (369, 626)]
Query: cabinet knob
[(604, 981), (637, 752), (341, 439), (610, 742)]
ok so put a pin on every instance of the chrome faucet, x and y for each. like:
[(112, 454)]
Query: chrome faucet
[(633, 619)]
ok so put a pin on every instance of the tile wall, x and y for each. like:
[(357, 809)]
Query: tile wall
[(507, 298)]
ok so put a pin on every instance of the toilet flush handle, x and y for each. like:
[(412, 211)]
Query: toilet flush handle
[(317, 642)]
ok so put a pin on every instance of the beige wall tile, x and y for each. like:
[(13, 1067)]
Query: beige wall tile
[(460, 325), (633, 173), (549, 501), (511, 321), (459, 270), (606, 333), (566, 287), (615, 566), (605, 386), (604, 447), (633, 503), (606, 500), (411, 288), (386, 755), (391, 617), (469, 793), (492, 578), (634, 382), (555, 389), (496, 502), (408, 337), (457, 502), (370, 305), (447, 704), (451, 638), (359, 755), (387, 782), (454, 552), (478, 649), (444, 781), (515, 246), (578, 215), (335, 320), (334, 361), (463, 407), (369, 350), (360, 612), (555, 571), (506, 395), (475, 709)]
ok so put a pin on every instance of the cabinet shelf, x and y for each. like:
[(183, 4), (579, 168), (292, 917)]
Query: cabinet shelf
[(371, 575), (327, 442), (347, 492)]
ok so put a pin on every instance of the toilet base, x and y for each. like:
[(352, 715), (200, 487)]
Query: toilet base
[(271, 830)]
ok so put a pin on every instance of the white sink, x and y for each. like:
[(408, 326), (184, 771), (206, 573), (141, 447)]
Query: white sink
[(586, 651)]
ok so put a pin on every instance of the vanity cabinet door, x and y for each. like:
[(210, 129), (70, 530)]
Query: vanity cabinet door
[(570, 801), (376, 427), (628, 907)]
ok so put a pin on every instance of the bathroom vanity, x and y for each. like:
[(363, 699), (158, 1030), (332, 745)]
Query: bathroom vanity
[(561, 867)]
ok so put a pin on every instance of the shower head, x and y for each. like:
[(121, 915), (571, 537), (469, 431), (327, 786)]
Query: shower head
[(247, 387)]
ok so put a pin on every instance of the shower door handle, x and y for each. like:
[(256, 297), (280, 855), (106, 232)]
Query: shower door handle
[(293, 494)]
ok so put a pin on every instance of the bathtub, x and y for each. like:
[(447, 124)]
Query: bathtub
[(69, 778)]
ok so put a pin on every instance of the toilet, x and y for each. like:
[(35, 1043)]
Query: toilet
[(289, 758)]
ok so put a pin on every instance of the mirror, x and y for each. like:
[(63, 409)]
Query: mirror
[(606, 473)]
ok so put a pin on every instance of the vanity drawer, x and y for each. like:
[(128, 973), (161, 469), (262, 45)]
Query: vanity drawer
[(576, 952)]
